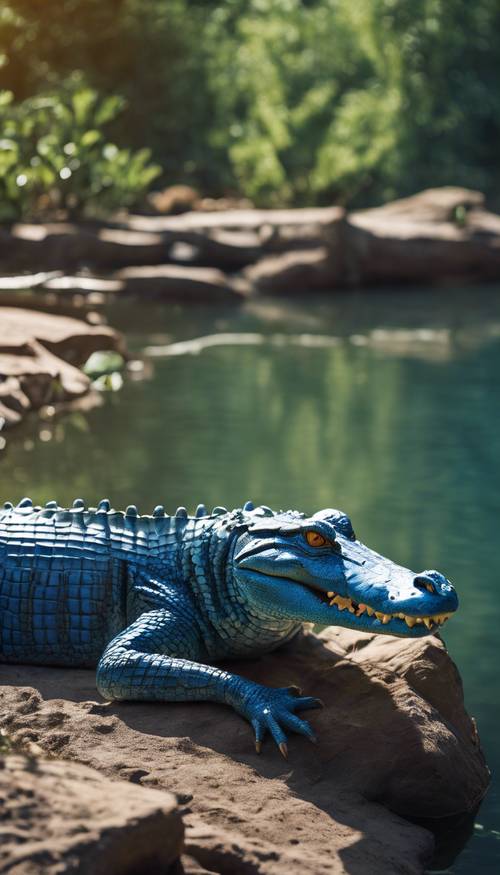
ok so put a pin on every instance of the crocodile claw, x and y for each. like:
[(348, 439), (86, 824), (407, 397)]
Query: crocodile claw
[(294, 690), (273, 711)]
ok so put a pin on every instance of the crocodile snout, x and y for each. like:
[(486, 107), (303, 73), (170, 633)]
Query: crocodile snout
[(435, 583)]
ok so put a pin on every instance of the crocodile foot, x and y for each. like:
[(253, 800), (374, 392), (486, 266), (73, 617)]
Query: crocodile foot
[(273, 710)]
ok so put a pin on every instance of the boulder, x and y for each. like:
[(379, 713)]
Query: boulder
[(69, 247), (71, 339), (174, 199), (40, 357), (293, 272), (214, 247), (314, 219), (436, 235), (176, 283), (395, 743), (64, 817), (431, 205)]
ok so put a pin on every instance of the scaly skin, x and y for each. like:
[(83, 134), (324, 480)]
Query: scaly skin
[(152, 599)]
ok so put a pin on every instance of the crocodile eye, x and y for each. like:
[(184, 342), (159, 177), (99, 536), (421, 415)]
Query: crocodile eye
[(314, 539)]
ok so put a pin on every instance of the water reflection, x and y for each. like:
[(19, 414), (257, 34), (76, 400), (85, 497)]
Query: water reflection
[(388, 409)]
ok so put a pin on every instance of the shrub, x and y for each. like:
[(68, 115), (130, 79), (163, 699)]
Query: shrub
[(54, 156)]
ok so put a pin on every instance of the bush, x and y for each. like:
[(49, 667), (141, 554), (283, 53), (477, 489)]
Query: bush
[(54, 156), (285, 101)]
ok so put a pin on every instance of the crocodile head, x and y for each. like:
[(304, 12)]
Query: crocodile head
[(314, 569)]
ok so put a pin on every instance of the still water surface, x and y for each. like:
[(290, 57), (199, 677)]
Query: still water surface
[(385, 405)]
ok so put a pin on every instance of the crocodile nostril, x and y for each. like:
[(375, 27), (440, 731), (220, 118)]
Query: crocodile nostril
[(424, 583)]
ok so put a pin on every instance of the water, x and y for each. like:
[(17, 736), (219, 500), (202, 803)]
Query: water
[(385, 405)]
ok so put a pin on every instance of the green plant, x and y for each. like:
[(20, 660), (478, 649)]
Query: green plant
[(54, 155), (286, 101)]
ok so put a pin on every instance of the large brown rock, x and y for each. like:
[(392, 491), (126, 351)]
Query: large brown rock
[(40, 356), (176, 283), (394, 742), (436, 235), (64, 817), (304, 220), (291, 273), (65, 246)]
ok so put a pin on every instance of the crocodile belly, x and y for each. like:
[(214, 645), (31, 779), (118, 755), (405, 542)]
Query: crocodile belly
[(58, 612)]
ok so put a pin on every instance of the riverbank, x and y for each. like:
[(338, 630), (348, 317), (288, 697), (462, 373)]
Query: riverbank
[(436, 236), (41, 356)]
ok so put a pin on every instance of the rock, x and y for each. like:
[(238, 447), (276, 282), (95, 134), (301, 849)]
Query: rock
[(395, 742), (315, 219), (293, 272), (26, 282), (174, 199), (431, 205), (176, 283), (228, 250), (71, 247), (439, 234), (84, 285), (71, 339), (40, 356), (436, 235), (14, 402), (64, 817)]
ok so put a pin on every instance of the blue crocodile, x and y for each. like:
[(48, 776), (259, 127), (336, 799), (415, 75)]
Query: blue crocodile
[(153, 601)]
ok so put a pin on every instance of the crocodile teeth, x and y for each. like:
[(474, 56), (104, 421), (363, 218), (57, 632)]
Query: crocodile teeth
[(441, 618), (344, 603)]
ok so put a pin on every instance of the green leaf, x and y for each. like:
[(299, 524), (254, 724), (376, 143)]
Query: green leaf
[(83, 101), (108, 110), (90, 138)]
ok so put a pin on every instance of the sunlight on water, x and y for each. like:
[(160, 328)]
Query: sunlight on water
[(385, 405)]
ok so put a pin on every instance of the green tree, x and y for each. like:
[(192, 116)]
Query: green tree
[(356, 101), (288, 101)]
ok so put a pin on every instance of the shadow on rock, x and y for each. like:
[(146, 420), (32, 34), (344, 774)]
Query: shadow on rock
[(394, 742)]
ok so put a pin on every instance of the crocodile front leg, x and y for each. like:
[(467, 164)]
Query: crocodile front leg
[(155, 659)]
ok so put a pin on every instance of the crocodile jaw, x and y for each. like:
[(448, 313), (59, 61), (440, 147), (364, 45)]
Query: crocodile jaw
[(395, 620), (283, 597)]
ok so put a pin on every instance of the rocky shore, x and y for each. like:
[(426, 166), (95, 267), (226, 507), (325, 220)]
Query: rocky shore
[(41, 356), (438, 235), (396, 746)]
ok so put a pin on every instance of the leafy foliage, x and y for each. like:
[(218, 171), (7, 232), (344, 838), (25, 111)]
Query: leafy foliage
[(356, 101), (54, 155), (287, 101)]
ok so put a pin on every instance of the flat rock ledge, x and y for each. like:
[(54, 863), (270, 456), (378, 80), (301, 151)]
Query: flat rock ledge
[(438, 235), (64, 817), (395, 743), (40, 359)]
